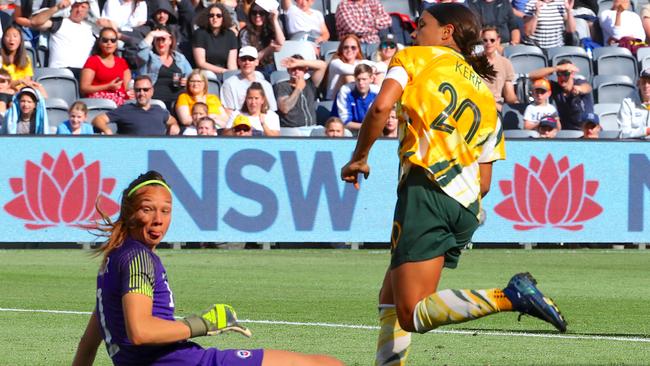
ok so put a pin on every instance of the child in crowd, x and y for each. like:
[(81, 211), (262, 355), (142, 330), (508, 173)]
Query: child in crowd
[(206, 127), (6, 91), (76, 124), (199, 110), (390, 129), (540, 106), (334, 127), (547, 127), (590, 126)]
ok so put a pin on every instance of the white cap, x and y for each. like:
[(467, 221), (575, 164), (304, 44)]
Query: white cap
[(268, 5), (248, 51)]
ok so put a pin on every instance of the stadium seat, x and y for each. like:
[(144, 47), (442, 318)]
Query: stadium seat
[(368, 49), (612, 88), (615, 61), (520, 134), (512, 116), (97, 106), (290, 48), (328, 49), (59, 83), (213, 82), (569, 134), (279, 76), (400, 6), (608, 134), (229, 74), (31, 52), (323, 110), (642, 54), (290, 131), (525, 58), (607, 113), (57, 112), (577, 55)]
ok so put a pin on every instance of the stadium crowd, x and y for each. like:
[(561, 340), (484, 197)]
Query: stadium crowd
[(565, 68)]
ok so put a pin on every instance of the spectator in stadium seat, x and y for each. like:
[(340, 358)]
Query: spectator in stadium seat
[(619, 22), (572, 96), (76, 123), (16, 61), (363, 18), (502, 86), (125, 15), (71, 38), (591, 126), (634, 114), (334, 127), (214, 44), (354, 99), (140, 118), (341, 68), (6, 91), (167, 67), (540, 107), (199, 110), (233, 91), (241, 126), (105, 75), (304, 21), (134, 311), (548, 127), (385, 52), (296, 97), (206, 127), (498, 14), (546, 22), (390, 129), (256, 109), (26, 114), (197, 91), (264, 32)]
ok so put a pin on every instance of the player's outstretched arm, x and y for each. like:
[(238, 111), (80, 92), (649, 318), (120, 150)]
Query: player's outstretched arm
[(371, 129), (90, 341), (219, 318)]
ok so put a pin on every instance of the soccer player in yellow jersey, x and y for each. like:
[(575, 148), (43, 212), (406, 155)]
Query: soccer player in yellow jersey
[(449, 137)]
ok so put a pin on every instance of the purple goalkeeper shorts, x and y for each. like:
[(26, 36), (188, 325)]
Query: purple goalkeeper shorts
[(232, 357)]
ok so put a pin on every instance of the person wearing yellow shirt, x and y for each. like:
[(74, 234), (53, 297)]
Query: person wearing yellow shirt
[(449, 137), (197, 91), (16, 62)]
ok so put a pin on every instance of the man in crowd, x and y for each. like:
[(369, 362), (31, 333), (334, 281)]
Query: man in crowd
[(363, 18), (233, 92), (498, 14), (354, 99), (140, 118), (297, 96), (502, 86), (572, 96)]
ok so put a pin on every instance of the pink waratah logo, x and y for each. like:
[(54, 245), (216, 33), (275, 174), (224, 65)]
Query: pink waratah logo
[(61, 191), (548, 194)]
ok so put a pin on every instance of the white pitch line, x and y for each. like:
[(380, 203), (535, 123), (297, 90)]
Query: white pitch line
[(370, 327)]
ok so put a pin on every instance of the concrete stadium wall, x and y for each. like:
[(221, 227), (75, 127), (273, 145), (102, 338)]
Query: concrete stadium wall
[(288, 190)]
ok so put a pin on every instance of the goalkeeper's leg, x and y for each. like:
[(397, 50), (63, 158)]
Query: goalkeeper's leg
[(274, 357)]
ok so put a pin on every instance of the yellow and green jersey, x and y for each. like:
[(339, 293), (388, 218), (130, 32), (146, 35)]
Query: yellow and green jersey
[(448, 120)]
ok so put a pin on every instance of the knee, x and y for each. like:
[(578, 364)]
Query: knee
[(405, 318)]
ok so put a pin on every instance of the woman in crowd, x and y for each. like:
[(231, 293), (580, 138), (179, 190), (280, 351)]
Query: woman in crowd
[(105, 75), (125, 14), (16, 61), (264, 32), (214, 44), (134, 312), (385, 52), (341, 67), (76, 124), (166, 67), (197, 91), (26, 114), (303, 22), (256, 109), (446, 161)]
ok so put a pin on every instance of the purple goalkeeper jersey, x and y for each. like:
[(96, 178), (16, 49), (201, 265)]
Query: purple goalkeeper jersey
[(134, 268)]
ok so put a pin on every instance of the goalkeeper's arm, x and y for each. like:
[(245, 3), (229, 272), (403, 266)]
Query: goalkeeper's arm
[(217, 319)]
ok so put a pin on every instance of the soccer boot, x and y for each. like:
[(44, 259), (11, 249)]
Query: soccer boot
[(527, 299)]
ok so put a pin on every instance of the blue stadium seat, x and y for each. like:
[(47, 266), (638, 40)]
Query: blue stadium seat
[(59, 83), (615, 61), (323, 110), (290, 48), (525, 58), (213, 82), (31, 52), (279, 76), (608, 114), (569, 134), (328, 49), (520, 134), (57, 112), (612, 88)]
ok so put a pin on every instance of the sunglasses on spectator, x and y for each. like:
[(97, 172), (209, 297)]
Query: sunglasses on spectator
[(247, 58), (539, 91), (242, 128), (137, 90), (353, 48), (489, 40), (195, 81), (564, 73), (390, 45), (108, 40), (258, 13), (3, 80), (215, 15)]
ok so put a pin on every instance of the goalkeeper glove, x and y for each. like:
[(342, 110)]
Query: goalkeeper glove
[(219, 318)]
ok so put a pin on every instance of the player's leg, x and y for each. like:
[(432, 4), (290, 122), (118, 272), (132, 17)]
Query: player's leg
[(393, 342), (286, 358)]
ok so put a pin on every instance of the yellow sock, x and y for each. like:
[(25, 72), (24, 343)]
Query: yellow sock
[(457, 306), (393, 342)]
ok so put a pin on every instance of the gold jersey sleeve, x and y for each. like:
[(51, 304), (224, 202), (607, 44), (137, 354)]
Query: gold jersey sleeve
[(448, 121)]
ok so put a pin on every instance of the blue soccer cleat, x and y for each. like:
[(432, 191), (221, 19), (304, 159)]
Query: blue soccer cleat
[(527, 299)]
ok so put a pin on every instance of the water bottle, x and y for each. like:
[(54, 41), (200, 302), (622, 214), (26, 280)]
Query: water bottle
[(589, 52)]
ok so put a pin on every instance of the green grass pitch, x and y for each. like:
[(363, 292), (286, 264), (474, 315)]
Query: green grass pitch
[(603, 294)]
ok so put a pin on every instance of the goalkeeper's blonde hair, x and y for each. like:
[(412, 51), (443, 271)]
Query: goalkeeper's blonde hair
[(116, 231)]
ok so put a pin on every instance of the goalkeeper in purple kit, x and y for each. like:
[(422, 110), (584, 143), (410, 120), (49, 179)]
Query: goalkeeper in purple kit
[(134, 312)]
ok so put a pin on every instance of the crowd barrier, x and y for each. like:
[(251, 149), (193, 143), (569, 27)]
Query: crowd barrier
[(288, 189)]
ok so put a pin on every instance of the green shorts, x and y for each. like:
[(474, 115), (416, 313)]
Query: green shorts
[(428, 223)]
